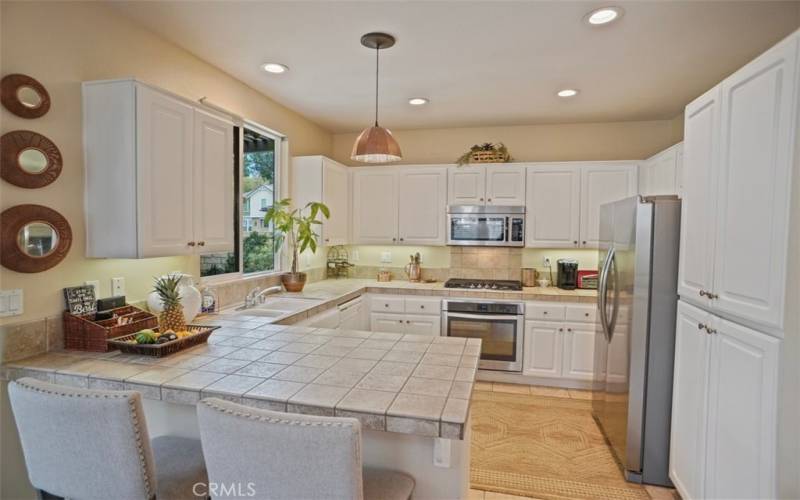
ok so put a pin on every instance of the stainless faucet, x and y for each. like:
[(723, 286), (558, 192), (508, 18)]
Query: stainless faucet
[(257, 296)]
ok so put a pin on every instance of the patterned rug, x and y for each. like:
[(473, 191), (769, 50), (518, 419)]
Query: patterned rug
[(543, 447)]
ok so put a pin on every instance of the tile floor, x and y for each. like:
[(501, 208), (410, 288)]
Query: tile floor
[(655, 492)]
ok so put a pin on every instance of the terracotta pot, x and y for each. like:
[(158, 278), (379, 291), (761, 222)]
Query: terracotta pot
[(293, 282)]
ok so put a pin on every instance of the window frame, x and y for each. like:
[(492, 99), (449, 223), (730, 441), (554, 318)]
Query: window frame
[(278, 193)]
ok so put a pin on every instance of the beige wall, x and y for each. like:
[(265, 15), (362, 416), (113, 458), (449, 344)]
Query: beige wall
[(567, 142), (88, 41)]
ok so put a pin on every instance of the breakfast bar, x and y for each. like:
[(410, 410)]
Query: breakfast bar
[(411, 393)]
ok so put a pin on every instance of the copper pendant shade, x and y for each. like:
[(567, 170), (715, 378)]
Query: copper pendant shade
[(376, 144)]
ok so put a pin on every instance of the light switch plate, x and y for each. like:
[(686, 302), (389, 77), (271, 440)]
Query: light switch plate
[(11, 302), (117, 287), (386, 257)]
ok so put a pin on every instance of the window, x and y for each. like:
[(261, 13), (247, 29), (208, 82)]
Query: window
[(256, 250)]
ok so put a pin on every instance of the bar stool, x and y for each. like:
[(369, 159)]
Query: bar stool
[(275, 455), (90, 444)]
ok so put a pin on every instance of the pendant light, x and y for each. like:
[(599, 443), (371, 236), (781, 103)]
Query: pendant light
[(376, 144)]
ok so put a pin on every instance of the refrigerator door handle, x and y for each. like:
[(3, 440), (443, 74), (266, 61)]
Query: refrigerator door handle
[(603, 294), (612, 325)]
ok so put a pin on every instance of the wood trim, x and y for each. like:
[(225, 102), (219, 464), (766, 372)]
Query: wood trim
[(13, 219), (13, 144), (9, 86)]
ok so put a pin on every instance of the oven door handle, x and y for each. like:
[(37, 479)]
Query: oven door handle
[(508, 317)]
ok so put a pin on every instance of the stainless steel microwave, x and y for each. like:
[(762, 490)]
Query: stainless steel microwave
[(486, 225)]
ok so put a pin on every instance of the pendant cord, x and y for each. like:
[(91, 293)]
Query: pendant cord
[(377, 62)]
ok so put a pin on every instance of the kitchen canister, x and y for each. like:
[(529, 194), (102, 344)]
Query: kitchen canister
[(529, 276), (191, 300)]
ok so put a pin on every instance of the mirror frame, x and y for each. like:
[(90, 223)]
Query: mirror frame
[(13, 219), (10, 85), (13, 144)]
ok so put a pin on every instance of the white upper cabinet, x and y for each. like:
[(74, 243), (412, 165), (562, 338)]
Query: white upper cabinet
[(758, 133), (553, 206), (375, 206), (505, 185), (493, 184), (658, 175), (739, 151), (213, 148), (317, 178), (159, 173), (601, 184), (422, 206), (701, 130)]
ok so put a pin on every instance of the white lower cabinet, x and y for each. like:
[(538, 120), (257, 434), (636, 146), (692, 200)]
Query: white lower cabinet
[(559, 349), (405, 314), (724, 410)]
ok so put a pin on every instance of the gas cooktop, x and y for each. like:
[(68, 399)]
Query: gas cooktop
[(483, 284)]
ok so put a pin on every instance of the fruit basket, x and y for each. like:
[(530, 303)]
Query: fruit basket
[(127, 343), (83, 333)]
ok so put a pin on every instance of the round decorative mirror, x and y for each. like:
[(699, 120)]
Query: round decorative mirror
[(33, 238), (37, 239), (28, 159), (24, 96)]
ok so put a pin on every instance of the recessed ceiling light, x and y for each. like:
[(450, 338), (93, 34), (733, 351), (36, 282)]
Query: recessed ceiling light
[(567, 93), (604, 15), (418, 101), (274, 68)]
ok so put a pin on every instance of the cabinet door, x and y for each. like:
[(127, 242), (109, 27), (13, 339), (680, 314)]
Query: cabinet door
[(505, 185), (553, 206), (759, 115), (336, 195), (644, 177), (466, 185), (601, 184), (423, 206), (392, 323), (374, 207), (662, 173), (214, 218), (742, 413), (578, 356), (543, 349), (423, 325), (701, 140), (687, 459), (165, 130)]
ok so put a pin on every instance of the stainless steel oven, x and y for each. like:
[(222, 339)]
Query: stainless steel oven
[(486, 225), (500, 325)]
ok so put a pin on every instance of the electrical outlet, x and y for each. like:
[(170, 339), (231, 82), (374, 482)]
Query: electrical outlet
[(117, 287), (386, 257), (546, 262), (94, 284)]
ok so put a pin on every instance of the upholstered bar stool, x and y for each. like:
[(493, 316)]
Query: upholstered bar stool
[(90, 444), (275, 455)]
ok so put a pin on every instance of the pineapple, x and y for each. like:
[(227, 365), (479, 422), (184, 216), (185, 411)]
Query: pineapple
[(171, 318)]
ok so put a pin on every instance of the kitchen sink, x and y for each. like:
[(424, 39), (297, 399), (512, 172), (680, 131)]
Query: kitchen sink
[(276, 307)]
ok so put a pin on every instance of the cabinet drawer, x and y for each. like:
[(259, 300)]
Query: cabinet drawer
[(423, 306), (544, 311), (387, 303), (582, 314)]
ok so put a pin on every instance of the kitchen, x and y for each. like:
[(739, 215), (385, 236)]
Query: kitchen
[(591, 306)]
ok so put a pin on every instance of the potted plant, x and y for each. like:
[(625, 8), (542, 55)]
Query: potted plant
[(298, 226)]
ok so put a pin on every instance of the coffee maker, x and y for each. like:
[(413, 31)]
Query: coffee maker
[(567, 274)]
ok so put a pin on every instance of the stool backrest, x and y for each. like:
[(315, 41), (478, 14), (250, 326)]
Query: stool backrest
[(83, 443), (279, 455)]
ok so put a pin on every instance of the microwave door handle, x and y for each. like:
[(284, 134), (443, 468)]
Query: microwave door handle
[(499, 317)]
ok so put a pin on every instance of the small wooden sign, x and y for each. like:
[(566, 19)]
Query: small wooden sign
[(80, 299)]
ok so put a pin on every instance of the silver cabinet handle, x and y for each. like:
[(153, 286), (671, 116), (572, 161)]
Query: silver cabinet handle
[(702, 293), (422, 307), (544, 312), (569, 329), (701, 326), (386, 305), (712, 296), (586, 314), (575, 242), (401, 239), (201, 243), (560, 329), (710, 330), (191, 243), (394, 239), (584, 242), (481, 199), (489, 199)]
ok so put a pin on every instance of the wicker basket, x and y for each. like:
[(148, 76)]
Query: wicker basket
[(83, 333), (199, 335), (487, 157)]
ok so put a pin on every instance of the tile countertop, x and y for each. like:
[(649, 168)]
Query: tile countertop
[(411, 384)]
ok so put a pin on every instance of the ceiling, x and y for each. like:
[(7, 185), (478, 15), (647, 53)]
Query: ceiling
[(480, 63)]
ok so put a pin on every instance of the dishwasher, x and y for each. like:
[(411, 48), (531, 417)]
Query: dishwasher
[(352, 315)]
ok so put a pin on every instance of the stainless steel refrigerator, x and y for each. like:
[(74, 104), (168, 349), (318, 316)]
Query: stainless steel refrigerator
[(635, 340)]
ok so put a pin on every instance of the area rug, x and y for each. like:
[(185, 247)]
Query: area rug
[(543, 447)]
